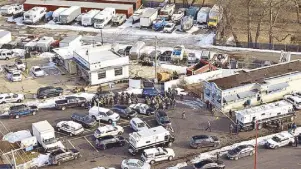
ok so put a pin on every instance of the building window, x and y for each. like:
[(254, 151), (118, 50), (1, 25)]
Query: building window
[(101, 75), (118, 71)]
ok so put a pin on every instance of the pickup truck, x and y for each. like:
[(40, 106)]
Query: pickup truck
[(22, 110), (70, 101), (159, 24)]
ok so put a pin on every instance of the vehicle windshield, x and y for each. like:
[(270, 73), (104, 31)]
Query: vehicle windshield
[(49, 141), (164, 119), (146, 155), (212, 20), (141, 124), (276, 139), (16, 75), (163, 13), (168, 26), (236, 150), (110, 113), (99, 20), (37, 69)]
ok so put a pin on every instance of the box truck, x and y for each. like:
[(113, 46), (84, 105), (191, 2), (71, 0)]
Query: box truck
[(148, 17), (203, 15), (87, 19), (104, 17), (45, 135), (69, 15), (157, 136), (56, 14)]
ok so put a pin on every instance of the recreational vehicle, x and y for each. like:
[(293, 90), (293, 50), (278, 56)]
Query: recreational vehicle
[(87, 19), (103, 18), (56, 14), (69, 14), (167, 11), (11, 9), (148, 17), (34, 15)]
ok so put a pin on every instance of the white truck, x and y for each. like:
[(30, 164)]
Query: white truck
[(69, 15), (264, 114), (203, 15), (45, 135), (178, 53), (34, 15), (137, 15), (157, 136), (100, 113), (87, 19), (104, 17), (56, 14), (167, 11), (215, 16), (118, 19), (294, 100), (11, 9), (148, 17)]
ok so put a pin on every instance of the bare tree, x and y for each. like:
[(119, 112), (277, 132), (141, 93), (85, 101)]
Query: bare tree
[(229, 18), (297, 6)]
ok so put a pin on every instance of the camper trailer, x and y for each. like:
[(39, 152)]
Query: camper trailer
[(148, 17), (11, 9), (203, 15), (34, 15), (87, 19), (178, 53), (167, 11), (56, 14), (104, 17), (69, 15), (186, 23)]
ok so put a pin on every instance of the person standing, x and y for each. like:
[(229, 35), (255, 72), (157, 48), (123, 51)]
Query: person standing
[(231, 128), (230, 114), (217, 156), (296, 141), (183, 115), (208, 126)]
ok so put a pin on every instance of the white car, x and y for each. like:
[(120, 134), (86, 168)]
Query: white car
[(37, 71), (100, 113), (70, 127), (169, 27), (280, 140), (11, 98), (153, 155), (143, 108), (134, 164), (20, 65), (108, 130), (15, 76), (137, 124), (294, 100)]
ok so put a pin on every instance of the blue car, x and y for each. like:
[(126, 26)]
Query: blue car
[(150, 92), (22, 110)]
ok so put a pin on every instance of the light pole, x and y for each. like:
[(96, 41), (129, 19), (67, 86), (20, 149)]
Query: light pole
[(255, 156), (156, 43)]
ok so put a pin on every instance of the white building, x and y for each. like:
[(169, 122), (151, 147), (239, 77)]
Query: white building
[(98, 64), (44, 43), (5, 37), (253, 87), (71, 41)]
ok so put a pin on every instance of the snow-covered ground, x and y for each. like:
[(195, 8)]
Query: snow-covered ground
[(13, 137), (41, 160), (211, 154)]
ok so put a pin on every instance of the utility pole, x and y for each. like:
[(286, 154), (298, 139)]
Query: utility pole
[(156, 59), (101, 37), (255, 156), (14, 160)]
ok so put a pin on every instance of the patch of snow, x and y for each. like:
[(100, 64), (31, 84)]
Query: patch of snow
[(46, 55), (192, 30), (179, 165), (18, 21), (19, 52), (193, 104), (41, 160), (206, 39), (178, 69), (13, 137), (132, 90)]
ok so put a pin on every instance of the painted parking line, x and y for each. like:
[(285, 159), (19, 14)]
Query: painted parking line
[(71, 144), (90, 144)]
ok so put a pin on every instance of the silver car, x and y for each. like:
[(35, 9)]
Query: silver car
[(241, 151)]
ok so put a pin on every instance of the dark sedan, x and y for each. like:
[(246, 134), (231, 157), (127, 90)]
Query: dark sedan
[(200, 141), (241, 151), (124, 111), (49, 91), (209, 164), (110, 141), (84, 120)]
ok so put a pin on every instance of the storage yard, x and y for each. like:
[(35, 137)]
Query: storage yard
[(107, 84)]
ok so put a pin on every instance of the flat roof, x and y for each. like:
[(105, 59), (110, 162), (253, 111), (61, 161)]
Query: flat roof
[(93, 5), (258, 75), (97, 54), (149, 12), (42, 125), (70, 38)]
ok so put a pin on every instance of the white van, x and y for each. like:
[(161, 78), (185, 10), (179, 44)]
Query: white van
[(6, 54), (137, 124), (100, 113), (153, 155)]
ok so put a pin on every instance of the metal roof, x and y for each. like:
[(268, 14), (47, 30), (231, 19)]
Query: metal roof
[(246, 94), (4, 33), (43, 126), (149, 12), (276, 87), (92, 5)]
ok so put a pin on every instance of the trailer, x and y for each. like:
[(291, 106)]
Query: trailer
[(56, 14), (265, 114), (13, 9), (137, 14), (87, 19), (167, 11), (157, 136), (103, 18), (34, 15), (69, 15), (118, 19), (147, 18), (203, 15), (215, 16), (178, 53), (177, 17), (186, 23), (192, 11)]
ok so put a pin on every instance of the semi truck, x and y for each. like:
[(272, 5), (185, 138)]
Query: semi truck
[(87, 19), (45, 135), (56, 14), (215, 16), (34, 15), (157, 136), (148, 17), (265, 114), (167, 11), (69, 15), (104, 17)]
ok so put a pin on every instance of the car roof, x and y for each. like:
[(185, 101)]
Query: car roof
[(80, 115), (105, 128), (153, 150), (133, 160), (101, 109), (137, 120), (120, 106), (200, 137)]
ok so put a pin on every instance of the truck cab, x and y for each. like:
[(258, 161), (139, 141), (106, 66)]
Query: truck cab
[(100, 113), (212, 22)]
